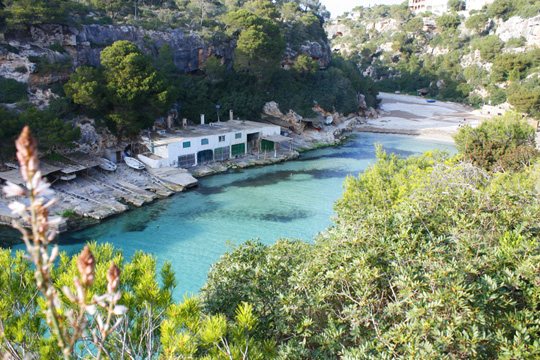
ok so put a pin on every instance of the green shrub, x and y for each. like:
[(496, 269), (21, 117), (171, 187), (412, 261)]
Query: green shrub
[(45, 66), (69, 213), (497, 95), (456, 5), (525, 97), (58, 48), (503, 143), (490, 46), (477, 22), (12, 91), (501, 9), (516, 42), (448, 21), (475, 100), (428, 258)]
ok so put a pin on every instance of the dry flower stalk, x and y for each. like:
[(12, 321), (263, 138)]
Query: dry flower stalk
[(68, 325)]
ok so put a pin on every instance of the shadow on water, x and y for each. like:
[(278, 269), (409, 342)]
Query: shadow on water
[(275, 216), (284, 216), (9, 237)]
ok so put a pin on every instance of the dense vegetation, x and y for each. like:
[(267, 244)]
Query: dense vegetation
[(156, 325), (454, 56), (430, 256), (127, 89), (501, 144), (52, 132)]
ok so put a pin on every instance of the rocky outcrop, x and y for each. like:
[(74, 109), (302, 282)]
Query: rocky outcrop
[(84, 44), (15, 66), (93, 140), (291, 120), (317, 50), (516, 27)]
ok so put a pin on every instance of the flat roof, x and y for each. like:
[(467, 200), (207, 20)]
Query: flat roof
[(277, 138), (208, 130), (15, 176), (72, 163)]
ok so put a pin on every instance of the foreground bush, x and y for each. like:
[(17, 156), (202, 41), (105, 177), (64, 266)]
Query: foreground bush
[(503, 143), (96, 305), (429, 258)]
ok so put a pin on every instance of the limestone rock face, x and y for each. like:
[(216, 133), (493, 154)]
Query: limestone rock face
[(15, 66), (41, 97), (272, 109), (84, 44), (362, 105), (317, 50), (516, 27), (92, 140), (290, 120)]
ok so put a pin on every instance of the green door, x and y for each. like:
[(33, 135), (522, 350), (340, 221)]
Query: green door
[(267, 145), (238, 150)]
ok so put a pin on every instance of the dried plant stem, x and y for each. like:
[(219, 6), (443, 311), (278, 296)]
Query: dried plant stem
[(70, 327)]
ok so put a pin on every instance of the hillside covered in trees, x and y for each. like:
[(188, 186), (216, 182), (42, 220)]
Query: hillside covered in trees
[(108, 60), (487, 56)]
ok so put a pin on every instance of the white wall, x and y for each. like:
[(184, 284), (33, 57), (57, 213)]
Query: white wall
[(437, 7), (153, 163), (172, 151), (476, 4)]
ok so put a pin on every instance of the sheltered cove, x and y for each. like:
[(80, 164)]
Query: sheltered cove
[(96, 195)]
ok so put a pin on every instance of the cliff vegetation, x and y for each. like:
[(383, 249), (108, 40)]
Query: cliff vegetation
[(197, 57), (481, 57)]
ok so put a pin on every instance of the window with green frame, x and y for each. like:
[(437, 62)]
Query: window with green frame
[(204, 141), (186, 144)]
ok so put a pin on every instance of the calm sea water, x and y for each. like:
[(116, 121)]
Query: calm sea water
[(288, 200)]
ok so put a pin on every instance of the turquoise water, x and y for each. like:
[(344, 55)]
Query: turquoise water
[(288, 200)]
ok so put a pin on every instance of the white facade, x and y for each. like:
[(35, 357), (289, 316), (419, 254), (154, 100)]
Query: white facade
[(440, 7), (437, 7), (214, 141), (477, 4)]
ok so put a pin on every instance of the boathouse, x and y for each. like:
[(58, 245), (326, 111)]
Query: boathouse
[(197, 145)]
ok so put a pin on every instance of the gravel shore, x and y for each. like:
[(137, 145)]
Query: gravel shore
[(413, 115)]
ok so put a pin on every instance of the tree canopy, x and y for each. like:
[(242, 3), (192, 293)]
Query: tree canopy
[(127, 88), (429, 257)]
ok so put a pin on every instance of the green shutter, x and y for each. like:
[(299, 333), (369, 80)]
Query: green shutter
[(267, 145), (238, 149)]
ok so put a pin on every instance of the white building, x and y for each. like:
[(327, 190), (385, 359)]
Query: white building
[(205, 143), (437, 7), (476, 4)]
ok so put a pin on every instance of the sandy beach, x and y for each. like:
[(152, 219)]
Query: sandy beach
[(413, 115)]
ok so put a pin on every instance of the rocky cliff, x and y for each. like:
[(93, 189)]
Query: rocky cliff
[(517, 27), (84, 45), (46, 54)]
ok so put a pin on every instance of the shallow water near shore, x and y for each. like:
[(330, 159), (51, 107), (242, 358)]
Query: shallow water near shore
[(288, 200)]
